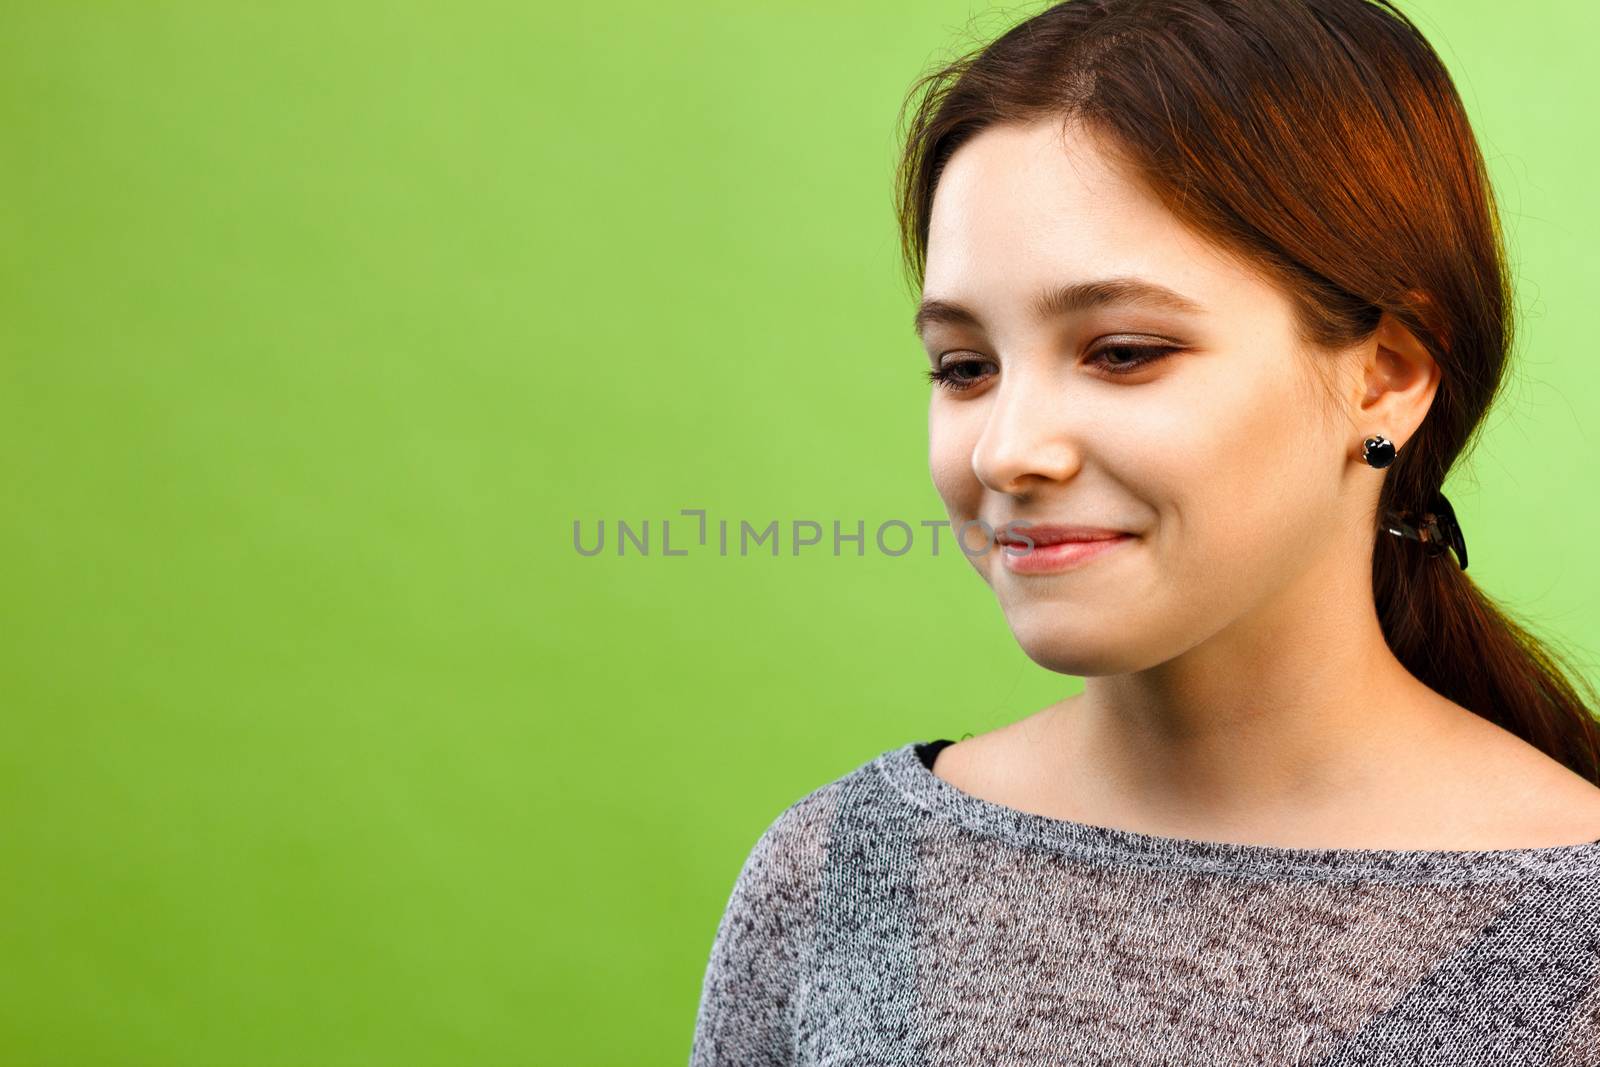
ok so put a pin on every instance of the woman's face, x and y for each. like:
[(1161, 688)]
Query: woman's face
[(1218, 455)]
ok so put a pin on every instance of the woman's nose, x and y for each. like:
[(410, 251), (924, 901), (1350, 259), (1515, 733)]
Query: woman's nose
[(1026, 439)]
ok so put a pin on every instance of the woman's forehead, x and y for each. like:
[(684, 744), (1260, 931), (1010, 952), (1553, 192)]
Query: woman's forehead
[(1022, 208)]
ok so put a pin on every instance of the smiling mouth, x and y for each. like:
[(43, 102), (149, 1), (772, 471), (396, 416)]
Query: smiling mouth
[(1042, 535), (1051, 543), (1062, 555)]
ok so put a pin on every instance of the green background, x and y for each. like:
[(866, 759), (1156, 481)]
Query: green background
[(322, 324)]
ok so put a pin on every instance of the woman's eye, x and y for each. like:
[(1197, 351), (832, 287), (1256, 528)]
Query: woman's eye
[(1131, 359), (954, 376)]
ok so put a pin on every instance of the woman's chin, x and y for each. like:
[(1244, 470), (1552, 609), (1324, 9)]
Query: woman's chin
[(1073, 638), (1067, 650)]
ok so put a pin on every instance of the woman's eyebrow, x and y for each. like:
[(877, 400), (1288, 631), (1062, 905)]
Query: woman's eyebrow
[(1065, 299)]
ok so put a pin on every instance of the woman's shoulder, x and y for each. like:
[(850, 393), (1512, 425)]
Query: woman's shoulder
[(1511, 792), (784, 871), (798, 833)]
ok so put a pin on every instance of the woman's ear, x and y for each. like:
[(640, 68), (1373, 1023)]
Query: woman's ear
[(1399, 378)]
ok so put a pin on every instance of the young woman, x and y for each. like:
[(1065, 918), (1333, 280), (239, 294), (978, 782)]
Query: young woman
[(1213, 297)]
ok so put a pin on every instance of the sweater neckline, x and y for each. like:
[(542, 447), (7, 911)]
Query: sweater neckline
[(908, 772)]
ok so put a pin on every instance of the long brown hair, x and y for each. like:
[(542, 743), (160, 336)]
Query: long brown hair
[(1325, 142)]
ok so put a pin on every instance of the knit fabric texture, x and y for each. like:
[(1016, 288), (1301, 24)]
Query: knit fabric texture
[(889, 918)]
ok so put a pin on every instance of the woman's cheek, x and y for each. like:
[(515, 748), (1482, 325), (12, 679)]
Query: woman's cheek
[(950, 465)]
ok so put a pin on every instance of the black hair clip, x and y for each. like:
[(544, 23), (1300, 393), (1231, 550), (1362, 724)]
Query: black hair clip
[(1437, 528)]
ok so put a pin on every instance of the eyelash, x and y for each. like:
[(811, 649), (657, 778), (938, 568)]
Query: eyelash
[(945, 378)]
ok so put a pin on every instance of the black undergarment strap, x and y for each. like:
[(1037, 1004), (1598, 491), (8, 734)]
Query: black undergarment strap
[(927, 750)]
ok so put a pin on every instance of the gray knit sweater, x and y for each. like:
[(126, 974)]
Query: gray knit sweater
[(889, 918)]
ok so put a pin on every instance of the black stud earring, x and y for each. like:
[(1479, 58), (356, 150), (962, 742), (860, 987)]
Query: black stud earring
[(1378, 451)]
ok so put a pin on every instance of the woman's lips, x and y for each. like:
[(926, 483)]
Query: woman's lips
[(1024, 532), (1052, 559)]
